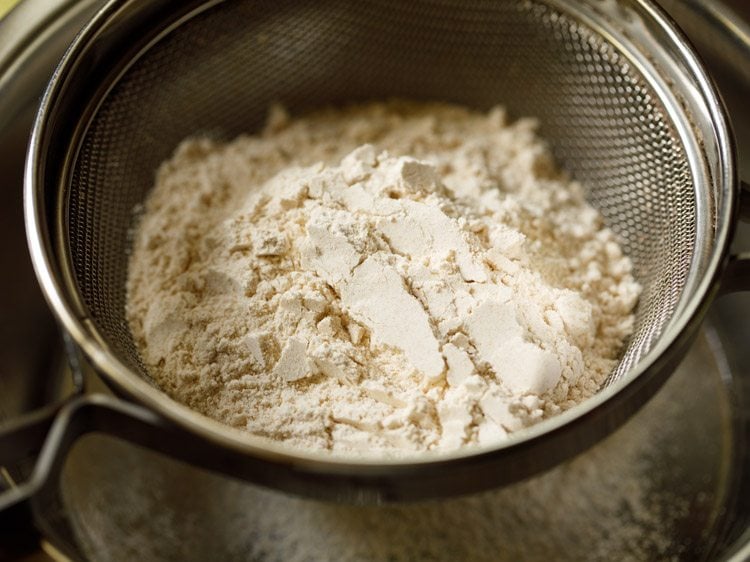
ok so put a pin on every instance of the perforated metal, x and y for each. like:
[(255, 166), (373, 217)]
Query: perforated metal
[(218, 72)]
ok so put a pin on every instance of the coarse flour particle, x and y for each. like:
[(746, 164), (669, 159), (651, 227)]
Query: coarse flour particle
[(379, 279)]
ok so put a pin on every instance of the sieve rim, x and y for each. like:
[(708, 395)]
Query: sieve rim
[(650, 372)]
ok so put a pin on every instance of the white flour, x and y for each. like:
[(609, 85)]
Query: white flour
[(384, 278)]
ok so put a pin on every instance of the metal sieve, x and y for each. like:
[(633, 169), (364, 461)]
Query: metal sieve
[(624, 103)]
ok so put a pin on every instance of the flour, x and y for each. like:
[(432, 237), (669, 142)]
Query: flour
[(379, 279)]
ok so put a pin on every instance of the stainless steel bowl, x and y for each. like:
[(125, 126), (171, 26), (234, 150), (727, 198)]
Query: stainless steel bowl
[(101, 408)]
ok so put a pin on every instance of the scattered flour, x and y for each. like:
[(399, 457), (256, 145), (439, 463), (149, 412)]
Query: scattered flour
[(382, 278)]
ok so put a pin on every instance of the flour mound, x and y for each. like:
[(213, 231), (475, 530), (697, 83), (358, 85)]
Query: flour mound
[(384, 278)]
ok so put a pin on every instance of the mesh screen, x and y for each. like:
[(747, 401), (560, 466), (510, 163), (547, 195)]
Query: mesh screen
[(218, 72)]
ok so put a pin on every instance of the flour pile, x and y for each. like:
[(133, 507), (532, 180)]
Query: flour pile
[(383, 278)]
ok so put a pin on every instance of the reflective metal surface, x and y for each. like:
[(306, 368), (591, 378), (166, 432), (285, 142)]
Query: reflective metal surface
[(712, 476), (32, 38), (657, 489)]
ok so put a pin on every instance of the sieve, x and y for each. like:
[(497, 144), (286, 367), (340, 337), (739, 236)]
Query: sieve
[(623, 101)]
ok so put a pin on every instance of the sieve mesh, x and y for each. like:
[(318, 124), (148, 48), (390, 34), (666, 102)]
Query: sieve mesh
[(218, 72)]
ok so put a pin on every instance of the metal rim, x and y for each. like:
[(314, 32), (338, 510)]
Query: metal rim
[(650, 372)]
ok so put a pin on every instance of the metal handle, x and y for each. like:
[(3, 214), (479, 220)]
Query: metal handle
[(20, 439), (34, 508)]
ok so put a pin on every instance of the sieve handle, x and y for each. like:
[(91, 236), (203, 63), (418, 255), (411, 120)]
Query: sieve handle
[(737, 274), (35, 508), (20, 439)]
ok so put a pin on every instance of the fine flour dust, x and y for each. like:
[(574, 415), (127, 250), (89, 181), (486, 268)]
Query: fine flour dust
[(383, 278)]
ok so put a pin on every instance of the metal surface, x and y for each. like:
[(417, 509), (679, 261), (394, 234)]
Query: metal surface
[(32, 38), (624, 104), (26, 59), (123, 514), (658, 489), (716, 27)]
